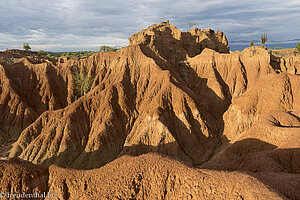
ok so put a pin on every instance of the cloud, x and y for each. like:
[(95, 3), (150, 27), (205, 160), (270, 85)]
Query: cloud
[(66, 25)]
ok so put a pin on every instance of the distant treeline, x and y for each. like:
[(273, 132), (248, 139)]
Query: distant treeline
[(79, 54)]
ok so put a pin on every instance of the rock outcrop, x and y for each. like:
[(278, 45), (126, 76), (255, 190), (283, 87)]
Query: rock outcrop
[(30, 85), (180, 94), (149, 176), (286, 60), (131, 106)]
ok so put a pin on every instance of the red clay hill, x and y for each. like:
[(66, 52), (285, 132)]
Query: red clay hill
[(174, 115)]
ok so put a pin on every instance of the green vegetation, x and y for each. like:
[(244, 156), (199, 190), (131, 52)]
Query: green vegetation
[(277, 48), (298, 47), (42, 52), (251, 43), (264, 38), (82, 82), (78, 54), (26, 46), (107, 49)]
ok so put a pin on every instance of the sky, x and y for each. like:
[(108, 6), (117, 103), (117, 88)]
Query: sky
[(73, 25)]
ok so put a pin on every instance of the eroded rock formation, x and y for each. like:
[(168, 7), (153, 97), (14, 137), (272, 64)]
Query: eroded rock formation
[(180, 94)]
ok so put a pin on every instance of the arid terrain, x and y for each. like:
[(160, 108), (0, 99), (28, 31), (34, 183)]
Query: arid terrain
[(174, 115)]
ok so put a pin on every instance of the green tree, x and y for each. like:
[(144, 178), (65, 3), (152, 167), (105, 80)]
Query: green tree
[(298, 47), (264, 38), (82, 83), (26, 46), (107, 49), (251, 43)]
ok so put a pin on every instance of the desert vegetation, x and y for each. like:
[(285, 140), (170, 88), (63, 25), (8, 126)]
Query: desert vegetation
[(251, 43), (78, 54), (264, 38), (42, 52), (82, 82), (26, 46), (105, 48)]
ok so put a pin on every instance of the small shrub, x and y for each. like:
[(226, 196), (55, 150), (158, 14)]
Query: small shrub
[(251, 43), (298, 47), (82, 83), (26, 46)]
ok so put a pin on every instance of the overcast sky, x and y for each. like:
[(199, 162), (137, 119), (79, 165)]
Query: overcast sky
[(69, 25)]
